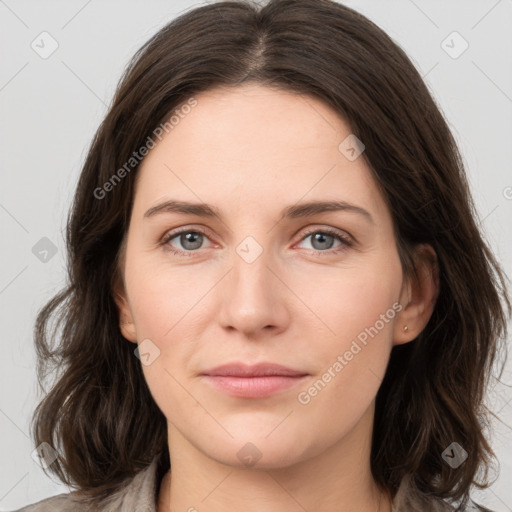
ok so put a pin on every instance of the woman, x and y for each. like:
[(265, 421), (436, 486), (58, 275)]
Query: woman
[(214, 355)]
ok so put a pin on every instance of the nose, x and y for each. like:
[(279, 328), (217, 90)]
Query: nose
[(254, 298)]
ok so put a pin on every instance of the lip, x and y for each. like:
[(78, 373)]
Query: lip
[(252, 381), (255, 370)]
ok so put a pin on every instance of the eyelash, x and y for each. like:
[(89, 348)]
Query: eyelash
[(345, 241)]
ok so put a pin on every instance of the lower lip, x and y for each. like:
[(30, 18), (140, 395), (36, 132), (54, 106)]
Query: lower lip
[(253, 387)]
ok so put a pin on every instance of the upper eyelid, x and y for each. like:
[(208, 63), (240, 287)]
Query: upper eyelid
[(328, 229), (178, 231)]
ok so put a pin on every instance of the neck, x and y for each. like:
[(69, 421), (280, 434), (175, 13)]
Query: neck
[(339, 479)]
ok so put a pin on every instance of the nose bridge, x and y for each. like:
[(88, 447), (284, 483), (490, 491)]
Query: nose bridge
[(253, 298), (251, 279)]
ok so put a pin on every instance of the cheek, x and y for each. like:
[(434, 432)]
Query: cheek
[(349, 300), (170, 309), (165, 304), (360, 310), (161, 298)]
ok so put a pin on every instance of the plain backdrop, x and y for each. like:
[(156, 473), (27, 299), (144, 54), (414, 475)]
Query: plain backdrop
[(51, 107)]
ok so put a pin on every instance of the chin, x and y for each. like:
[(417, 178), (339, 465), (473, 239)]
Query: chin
[(258, 451)]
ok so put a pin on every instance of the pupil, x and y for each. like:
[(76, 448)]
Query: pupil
[(321, 237), (189, 238)]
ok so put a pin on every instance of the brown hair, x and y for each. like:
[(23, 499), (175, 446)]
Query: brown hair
[(100, 413)]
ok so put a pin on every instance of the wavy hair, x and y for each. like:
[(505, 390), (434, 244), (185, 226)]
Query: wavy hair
[(99, 412)]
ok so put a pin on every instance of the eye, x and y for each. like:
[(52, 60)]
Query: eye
[(190, 240), (322, 240)]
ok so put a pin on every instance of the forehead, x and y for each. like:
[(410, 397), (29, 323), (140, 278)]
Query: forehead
[(251, 145)]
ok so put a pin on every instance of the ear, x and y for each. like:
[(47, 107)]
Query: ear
[(418, 295), (126, 324)]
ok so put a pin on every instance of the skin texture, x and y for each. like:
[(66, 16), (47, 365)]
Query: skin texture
[(251, 151)]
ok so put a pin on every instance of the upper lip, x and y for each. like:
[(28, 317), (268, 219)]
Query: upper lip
[(256, 370)]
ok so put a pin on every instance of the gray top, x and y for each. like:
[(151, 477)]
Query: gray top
[(141, 495)]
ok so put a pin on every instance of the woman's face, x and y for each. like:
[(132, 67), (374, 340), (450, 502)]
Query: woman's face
[(266, 280)]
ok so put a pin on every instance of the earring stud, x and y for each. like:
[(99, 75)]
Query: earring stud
[(406, 328)]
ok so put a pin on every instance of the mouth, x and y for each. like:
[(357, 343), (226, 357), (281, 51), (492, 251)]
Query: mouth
[(253, 381)]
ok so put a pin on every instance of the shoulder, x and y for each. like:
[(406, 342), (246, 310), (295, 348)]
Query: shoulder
[(59, 503), (409, 499), (138, 494)]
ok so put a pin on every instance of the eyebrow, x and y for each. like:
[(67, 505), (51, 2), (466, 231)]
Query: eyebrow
[(293, 212)]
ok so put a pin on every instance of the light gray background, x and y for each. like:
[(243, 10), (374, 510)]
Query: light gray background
[(50, 109)]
